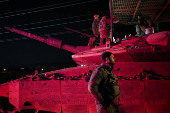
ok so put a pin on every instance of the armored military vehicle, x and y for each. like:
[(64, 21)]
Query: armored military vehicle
[(142, 66)]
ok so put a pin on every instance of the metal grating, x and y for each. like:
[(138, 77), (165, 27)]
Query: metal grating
[(127, 10)]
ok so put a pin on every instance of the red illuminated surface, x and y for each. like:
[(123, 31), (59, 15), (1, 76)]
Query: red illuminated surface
[(143, 77), (139, 95)]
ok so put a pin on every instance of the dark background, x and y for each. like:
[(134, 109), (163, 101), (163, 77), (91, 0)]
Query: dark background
[(44, 18)]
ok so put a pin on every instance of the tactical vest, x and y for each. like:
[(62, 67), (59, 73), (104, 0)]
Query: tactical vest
[(109, 85)]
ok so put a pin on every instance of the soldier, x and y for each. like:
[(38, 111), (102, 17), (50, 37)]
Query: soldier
[(95, 28), (95, 25), (103, 85), (104, 28), (145, 23)]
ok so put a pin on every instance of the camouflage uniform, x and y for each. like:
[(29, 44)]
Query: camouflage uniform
[(95, 27), (104, 87), (104, 28)]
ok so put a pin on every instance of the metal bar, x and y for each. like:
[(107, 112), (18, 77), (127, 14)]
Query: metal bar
[(147, 8), (111, 16), (136, 10), (162, 10)]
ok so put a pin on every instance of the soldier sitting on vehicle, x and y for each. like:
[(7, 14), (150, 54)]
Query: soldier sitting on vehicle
[(145, 25)]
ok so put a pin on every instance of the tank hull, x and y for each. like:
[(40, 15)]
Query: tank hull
[(140, 83)]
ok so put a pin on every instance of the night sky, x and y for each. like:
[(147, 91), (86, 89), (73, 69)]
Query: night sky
[(47, 18)]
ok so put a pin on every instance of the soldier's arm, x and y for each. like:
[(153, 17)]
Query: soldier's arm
[(143, 27), (115, 20)]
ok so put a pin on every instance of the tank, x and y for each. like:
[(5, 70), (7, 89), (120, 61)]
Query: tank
[(142, 66)]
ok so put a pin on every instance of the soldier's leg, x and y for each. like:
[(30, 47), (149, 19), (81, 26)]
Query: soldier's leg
[(101, 41), (91, 41)]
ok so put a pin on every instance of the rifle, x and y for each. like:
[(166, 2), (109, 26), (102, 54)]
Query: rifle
[(84, 34)]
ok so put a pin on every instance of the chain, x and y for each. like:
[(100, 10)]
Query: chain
[(143, 75), (55, 77)]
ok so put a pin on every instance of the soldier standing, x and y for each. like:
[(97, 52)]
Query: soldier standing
[(103, 85), (95, 28), (104, 28), (144, 23), (95, 25)]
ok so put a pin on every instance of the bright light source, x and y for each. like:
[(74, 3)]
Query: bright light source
[(82, 65), (113, 39), (42, 69), (4, 69)]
